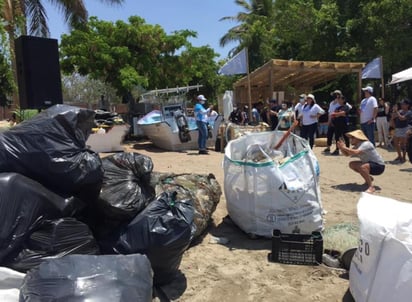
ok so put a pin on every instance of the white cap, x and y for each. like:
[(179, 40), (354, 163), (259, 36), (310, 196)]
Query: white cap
[(201, 97), (368, 89), (311, 96)]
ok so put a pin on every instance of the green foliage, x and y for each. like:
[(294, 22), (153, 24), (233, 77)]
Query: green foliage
[(6, 81), (136, 54), (325, 30), (255, 30), (24, 114), (77, 88)]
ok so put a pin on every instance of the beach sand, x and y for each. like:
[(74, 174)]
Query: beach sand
[(239, 270)]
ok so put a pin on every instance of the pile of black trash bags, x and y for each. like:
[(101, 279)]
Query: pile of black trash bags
[(113, 225)]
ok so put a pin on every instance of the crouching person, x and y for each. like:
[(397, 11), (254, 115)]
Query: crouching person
[(370, 163)]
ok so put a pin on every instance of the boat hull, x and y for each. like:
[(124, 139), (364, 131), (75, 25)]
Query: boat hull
[(162, 136)]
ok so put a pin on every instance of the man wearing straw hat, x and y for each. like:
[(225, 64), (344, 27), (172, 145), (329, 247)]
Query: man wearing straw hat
[(370, 163)]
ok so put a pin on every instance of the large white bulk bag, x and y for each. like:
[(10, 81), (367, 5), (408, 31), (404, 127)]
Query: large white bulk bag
[(267, 189), (381, 268)]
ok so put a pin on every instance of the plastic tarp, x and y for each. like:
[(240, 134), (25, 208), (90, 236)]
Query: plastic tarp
[(51, 149), (402, 76), (227, 104), (85, 278), (269, 189), (126, 188), (55, 239), (162, 231), (381, 268), (24, 204)]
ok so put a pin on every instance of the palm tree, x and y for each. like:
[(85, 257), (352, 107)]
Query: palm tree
[(20, 14), (34, 15), (254, 30)]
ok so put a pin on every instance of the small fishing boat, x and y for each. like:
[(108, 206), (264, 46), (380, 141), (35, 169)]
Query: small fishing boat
[(171, 128)]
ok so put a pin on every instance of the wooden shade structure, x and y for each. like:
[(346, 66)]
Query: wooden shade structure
[(283, 75)]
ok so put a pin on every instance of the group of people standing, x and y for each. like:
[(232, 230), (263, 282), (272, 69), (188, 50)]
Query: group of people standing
[(373, 115)]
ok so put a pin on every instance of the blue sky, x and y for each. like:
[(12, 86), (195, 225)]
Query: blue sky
[(201, 16)]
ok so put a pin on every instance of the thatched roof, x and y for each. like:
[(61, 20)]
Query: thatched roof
[(281, 75)]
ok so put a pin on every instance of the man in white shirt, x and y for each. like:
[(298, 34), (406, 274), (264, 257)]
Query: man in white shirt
[(368, 112)]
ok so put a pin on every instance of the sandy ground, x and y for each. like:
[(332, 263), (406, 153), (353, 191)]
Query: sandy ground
[(240, 270)]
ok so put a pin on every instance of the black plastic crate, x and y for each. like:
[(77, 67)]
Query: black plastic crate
[(301, 249)]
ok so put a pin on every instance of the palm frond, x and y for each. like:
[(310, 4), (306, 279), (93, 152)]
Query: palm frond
[(37, 18)]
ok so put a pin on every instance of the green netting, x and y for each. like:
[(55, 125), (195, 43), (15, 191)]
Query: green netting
[(341, 237)]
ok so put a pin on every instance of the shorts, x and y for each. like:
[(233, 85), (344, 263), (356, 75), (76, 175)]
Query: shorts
[(375, 168), (401, 132), (323, 128)]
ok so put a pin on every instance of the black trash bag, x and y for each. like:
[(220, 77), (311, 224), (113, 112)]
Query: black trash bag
[(51, 149), (126, 188), (24, 204), (101, 115), (55, 239), (203, 189), (77, 278), (162, 231)]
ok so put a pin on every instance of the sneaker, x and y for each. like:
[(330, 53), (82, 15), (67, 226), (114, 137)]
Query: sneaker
[(203, 152), (327, 150), (336, 152), (396, 160)]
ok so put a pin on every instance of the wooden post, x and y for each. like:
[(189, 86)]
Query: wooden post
[(359, 87), (382, 80), (248, 84)]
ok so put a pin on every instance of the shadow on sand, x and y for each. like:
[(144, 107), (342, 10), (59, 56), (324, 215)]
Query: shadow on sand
[(238, 239), (149, 146), (353, 187)]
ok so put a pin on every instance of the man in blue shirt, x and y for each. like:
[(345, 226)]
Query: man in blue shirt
[(201, 122)]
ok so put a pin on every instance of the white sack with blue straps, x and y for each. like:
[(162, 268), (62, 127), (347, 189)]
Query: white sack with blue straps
[(263, 194), (381, 268)]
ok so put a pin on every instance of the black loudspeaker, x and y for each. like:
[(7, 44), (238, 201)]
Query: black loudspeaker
[(38, 72)]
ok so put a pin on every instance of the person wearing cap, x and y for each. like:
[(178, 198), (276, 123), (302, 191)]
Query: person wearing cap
[(368, 113), (337, 94), (309, 116), (339, 120), (201, 122), (401, 118), (370, 163)]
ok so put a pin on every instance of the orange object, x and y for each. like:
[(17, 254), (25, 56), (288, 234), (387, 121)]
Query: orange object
[(286, 135)]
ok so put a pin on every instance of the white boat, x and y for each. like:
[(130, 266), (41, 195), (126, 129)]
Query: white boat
[(165, 133), (170, 127)]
